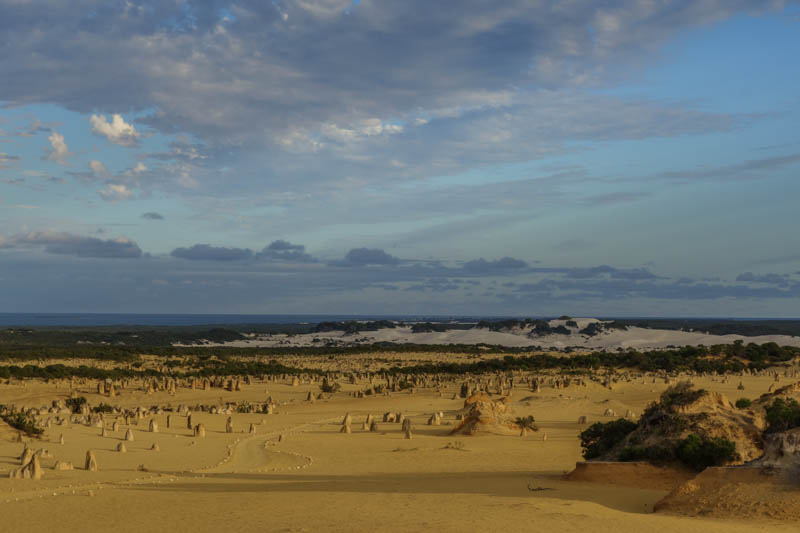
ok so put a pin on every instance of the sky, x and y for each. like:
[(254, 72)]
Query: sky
[(520, 158)]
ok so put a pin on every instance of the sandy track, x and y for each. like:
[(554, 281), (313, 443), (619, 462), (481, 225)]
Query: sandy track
[(253, 454)]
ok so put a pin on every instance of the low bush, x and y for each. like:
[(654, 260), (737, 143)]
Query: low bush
[(652, 454), (75, 404), (743, 403), (22, 422), (527, 422), (783, 414), (682, 393), (600, 437), (103, 408), (699, 453)]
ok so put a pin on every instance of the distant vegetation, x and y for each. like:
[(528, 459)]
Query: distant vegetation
[(32, 348), (20, 421), (206, 361), (76, 404), (746, 328), (136, 337), (353, 326), (697, 358), (506, 325), (593, 328), (428, 327), (103, 407)]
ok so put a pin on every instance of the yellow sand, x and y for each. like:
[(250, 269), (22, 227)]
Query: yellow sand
[(317, 479)]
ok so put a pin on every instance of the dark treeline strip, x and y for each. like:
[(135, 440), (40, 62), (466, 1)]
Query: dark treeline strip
[(746, 328), (131, 353), (115, 336), (723, 358), (755, 355), (199, 369), (63, 371), (699, 359), (354, 326)]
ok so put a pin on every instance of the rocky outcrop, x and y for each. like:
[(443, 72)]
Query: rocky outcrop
[(682, 411), (781, 451), (91, 462), (487, 417)]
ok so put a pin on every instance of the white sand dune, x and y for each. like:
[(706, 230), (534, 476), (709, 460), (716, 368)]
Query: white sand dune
[(632, 337)]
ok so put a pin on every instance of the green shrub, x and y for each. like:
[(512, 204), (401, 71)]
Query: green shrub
[(682, 393), (103, 408), (743, 403), (527, 422), (76, 403), (600, 437), (698, 452), (652, 454), (23, 422), (783, 414)]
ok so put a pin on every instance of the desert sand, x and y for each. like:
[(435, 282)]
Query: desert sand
[(295, 470)]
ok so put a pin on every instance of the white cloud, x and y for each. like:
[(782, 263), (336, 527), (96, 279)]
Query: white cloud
[(186, 180), (369, 127), (59, 151), (115, 192), (117, 131), (99, 169), (297, 141)]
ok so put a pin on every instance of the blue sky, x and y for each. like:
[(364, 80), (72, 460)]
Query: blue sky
[(328, 156)]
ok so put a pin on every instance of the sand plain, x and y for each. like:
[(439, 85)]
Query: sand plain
[(299, 473)]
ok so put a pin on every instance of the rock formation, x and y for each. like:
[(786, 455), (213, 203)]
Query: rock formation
[(62, 466), (492, 417), (91, 462)]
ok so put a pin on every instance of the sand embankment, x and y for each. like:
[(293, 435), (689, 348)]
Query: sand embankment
[(633, 474), (737, 492)]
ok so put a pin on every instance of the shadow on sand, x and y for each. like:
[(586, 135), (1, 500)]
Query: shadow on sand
[(498, 484)]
